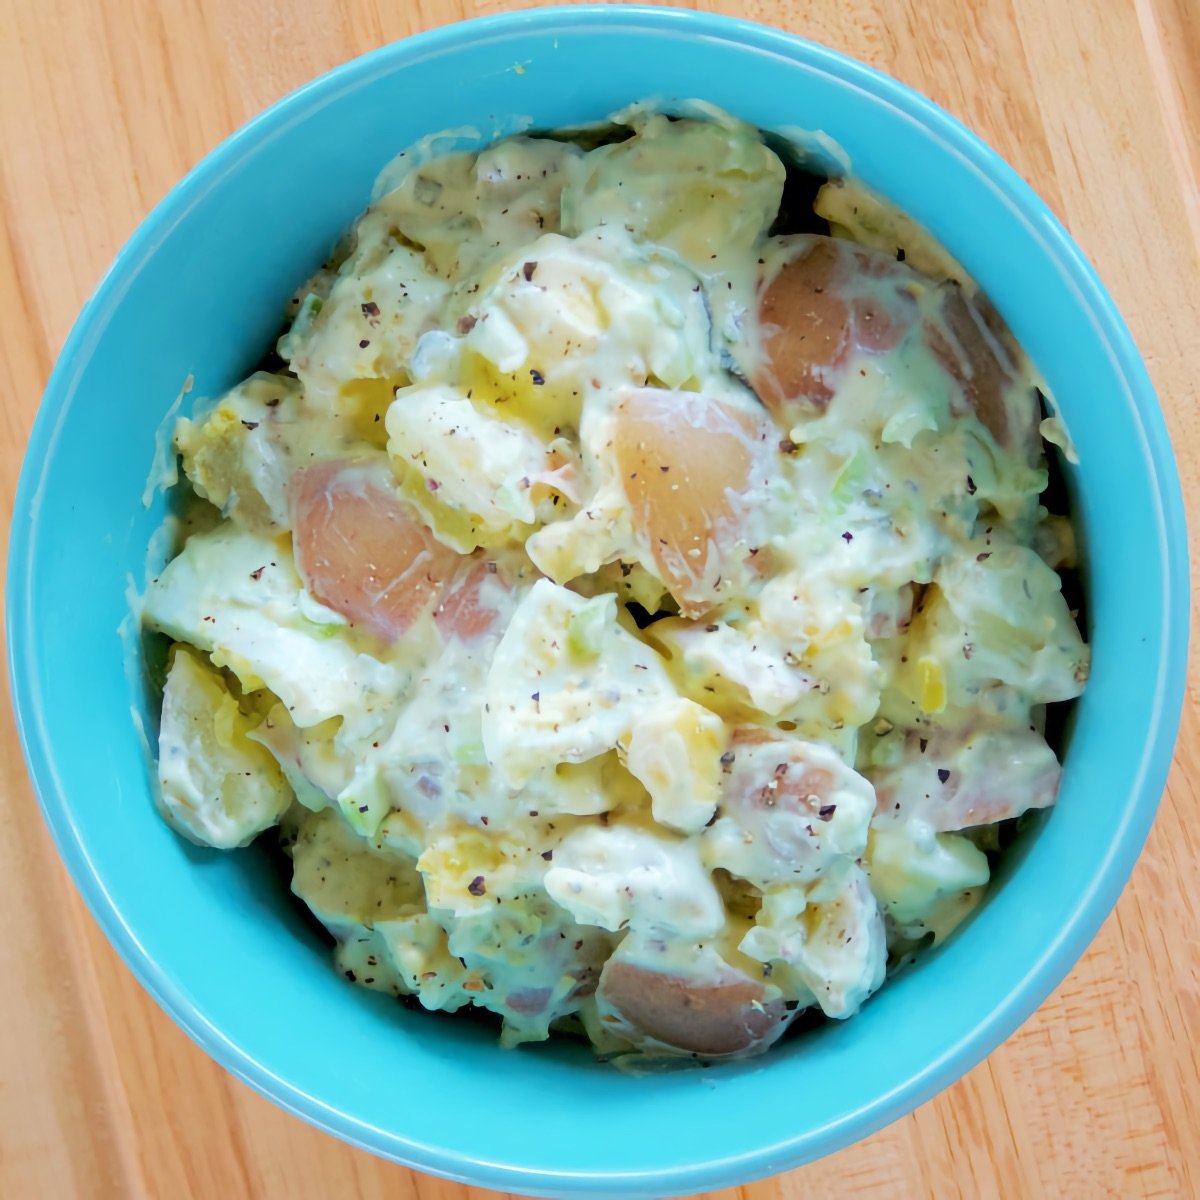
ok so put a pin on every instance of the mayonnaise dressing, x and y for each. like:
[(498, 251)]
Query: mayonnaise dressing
[(634, 612)]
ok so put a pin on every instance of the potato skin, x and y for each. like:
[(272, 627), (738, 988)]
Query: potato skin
[(359, 549), (832, 297), (829, 298), (724, 1016), (686, 464)]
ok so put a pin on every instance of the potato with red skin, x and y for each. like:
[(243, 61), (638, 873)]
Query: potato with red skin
[(788, 807), (833, 297), (830, 298), (360, 551), (463, 613), (686, 464), (976, 349), (953, 781), (713, 1011)]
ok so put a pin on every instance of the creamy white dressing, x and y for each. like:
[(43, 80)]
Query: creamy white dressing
[(533, 362)]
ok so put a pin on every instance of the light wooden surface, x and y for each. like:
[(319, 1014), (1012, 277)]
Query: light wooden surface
[(104, 105)]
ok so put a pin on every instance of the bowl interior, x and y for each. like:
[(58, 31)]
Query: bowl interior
[(198, 294)]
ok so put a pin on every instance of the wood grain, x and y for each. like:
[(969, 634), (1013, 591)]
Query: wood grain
[(1097, 102)]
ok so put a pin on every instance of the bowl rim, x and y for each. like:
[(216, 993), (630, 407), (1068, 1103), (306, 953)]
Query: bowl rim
[(1091, 907)]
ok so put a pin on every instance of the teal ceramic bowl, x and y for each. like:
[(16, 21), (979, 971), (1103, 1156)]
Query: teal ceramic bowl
[(198, 291)]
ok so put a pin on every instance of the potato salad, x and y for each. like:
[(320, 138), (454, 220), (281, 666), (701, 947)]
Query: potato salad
[(629, 592)]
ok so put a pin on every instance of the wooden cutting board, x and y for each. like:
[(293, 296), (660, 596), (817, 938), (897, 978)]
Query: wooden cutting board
[(104, 105)]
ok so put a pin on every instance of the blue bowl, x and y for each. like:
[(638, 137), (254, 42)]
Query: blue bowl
[(198, 291)]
